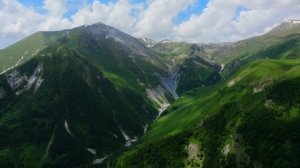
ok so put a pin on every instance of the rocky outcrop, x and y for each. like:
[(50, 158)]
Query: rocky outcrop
[(170, 83), (262, 85), (195, 156), (21, 82), (16, 81), (157, 96)]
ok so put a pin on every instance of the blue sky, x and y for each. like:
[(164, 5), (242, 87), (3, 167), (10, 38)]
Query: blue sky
[(74, 5), (177, 20), (196, 9)]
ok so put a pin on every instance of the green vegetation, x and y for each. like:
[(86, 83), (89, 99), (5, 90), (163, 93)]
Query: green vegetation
[(169, 153), (76, 96), (189, 63), (273, 45), (235, 125), (27, 48), (73, 91)]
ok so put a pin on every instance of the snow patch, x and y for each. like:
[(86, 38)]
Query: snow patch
[(129, 141), (166, 42), (36, 51), (162, 109), (149, 43), (222, 68), (6, 70), (140, 83), (135, 139), (233, 82), (19, 92), (92, 151), (146, 127), (126, 137), (114, 135), (144, 39), (293, 21), (18, 62), (99, 160), (226, 149), (66, 124), (49, 145), (230, 83)]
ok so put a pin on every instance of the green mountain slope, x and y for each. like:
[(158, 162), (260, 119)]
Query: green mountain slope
[(81, 97), (61, 107), (252, 119), (88, 91), (188, 65), (26, 49), (281, 42)]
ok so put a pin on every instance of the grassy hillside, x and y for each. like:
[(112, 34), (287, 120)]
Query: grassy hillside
[(188, 63), (280, 43), (76, 107), (252, 119), (76, 97), (27, 48)]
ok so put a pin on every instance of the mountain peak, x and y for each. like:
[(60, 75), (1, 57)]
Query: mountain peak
[(102, 32), (166, 41), (286, 28), (294, 21), (147, 42)]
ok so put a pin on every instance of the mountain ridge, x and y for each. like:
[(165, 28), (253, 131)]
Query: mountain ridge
[(94, 91)]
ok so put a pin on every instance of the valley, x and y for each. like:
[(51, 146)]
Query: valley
[(93, 96)]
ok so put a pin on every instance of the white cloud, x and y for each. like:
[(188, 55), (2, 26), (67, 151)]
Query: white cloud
[(220, 22), (157, 20), (54, 22), (55, 7), (54, 19), (121, 14), (16, 19)]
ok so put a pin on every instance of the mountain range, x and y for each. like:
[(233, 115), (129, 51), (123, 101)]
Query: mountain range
[(93, 96)]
